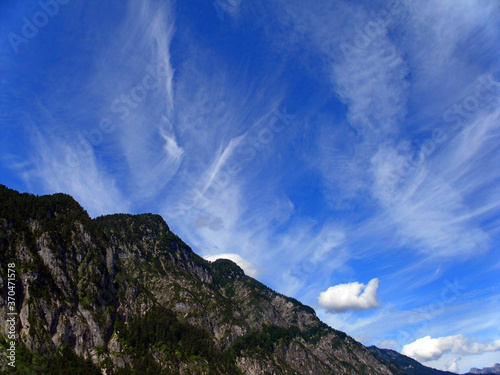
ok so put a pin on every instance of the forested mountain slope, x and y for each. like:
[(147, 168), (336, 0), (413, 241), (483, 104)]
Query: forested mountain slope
[(124, 295)]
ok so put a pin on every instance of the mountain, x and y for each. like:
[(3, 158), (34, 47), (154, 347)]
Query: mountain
[(122, 294), (412, 367), (487, 370)]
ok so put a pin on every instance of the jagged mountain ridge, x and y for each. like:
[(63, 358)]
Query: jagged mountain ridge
[(122, 294)]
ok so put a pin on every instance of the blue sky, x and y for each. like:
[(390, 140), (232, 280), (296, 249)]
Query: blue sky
[(345, 153)]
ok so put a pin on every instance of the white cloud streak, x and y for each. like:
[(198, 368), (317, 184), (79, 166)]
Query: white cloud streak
[(436, 209), (425, 208), (56, 165)]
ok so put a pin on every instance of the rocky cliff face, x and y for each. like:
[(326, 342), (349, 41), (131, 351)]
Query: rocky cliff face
[(123, 294)]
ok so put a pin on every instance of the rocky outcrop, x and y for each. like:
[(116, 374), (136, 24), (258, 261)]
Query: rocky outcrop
[(487, 370)]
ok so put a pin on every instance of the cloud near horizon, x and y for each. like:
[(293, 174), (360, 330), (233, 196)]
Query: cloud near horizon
[(428, 349)]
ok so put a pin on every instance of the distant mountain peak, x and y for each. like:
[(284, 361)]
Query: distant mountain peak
[(486, 370)]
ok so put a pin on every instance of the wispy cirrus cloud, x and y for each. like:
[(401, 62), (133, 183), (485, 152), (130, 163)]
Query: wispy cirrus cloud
[(144, 101), (85, 180), (424, 210), (318, 141), (122, 107)]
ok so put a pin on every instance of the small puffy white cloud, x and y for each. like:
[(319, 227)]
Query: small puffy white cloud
[(351, 296), (249, 268), (428, 349), (452, 366)]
